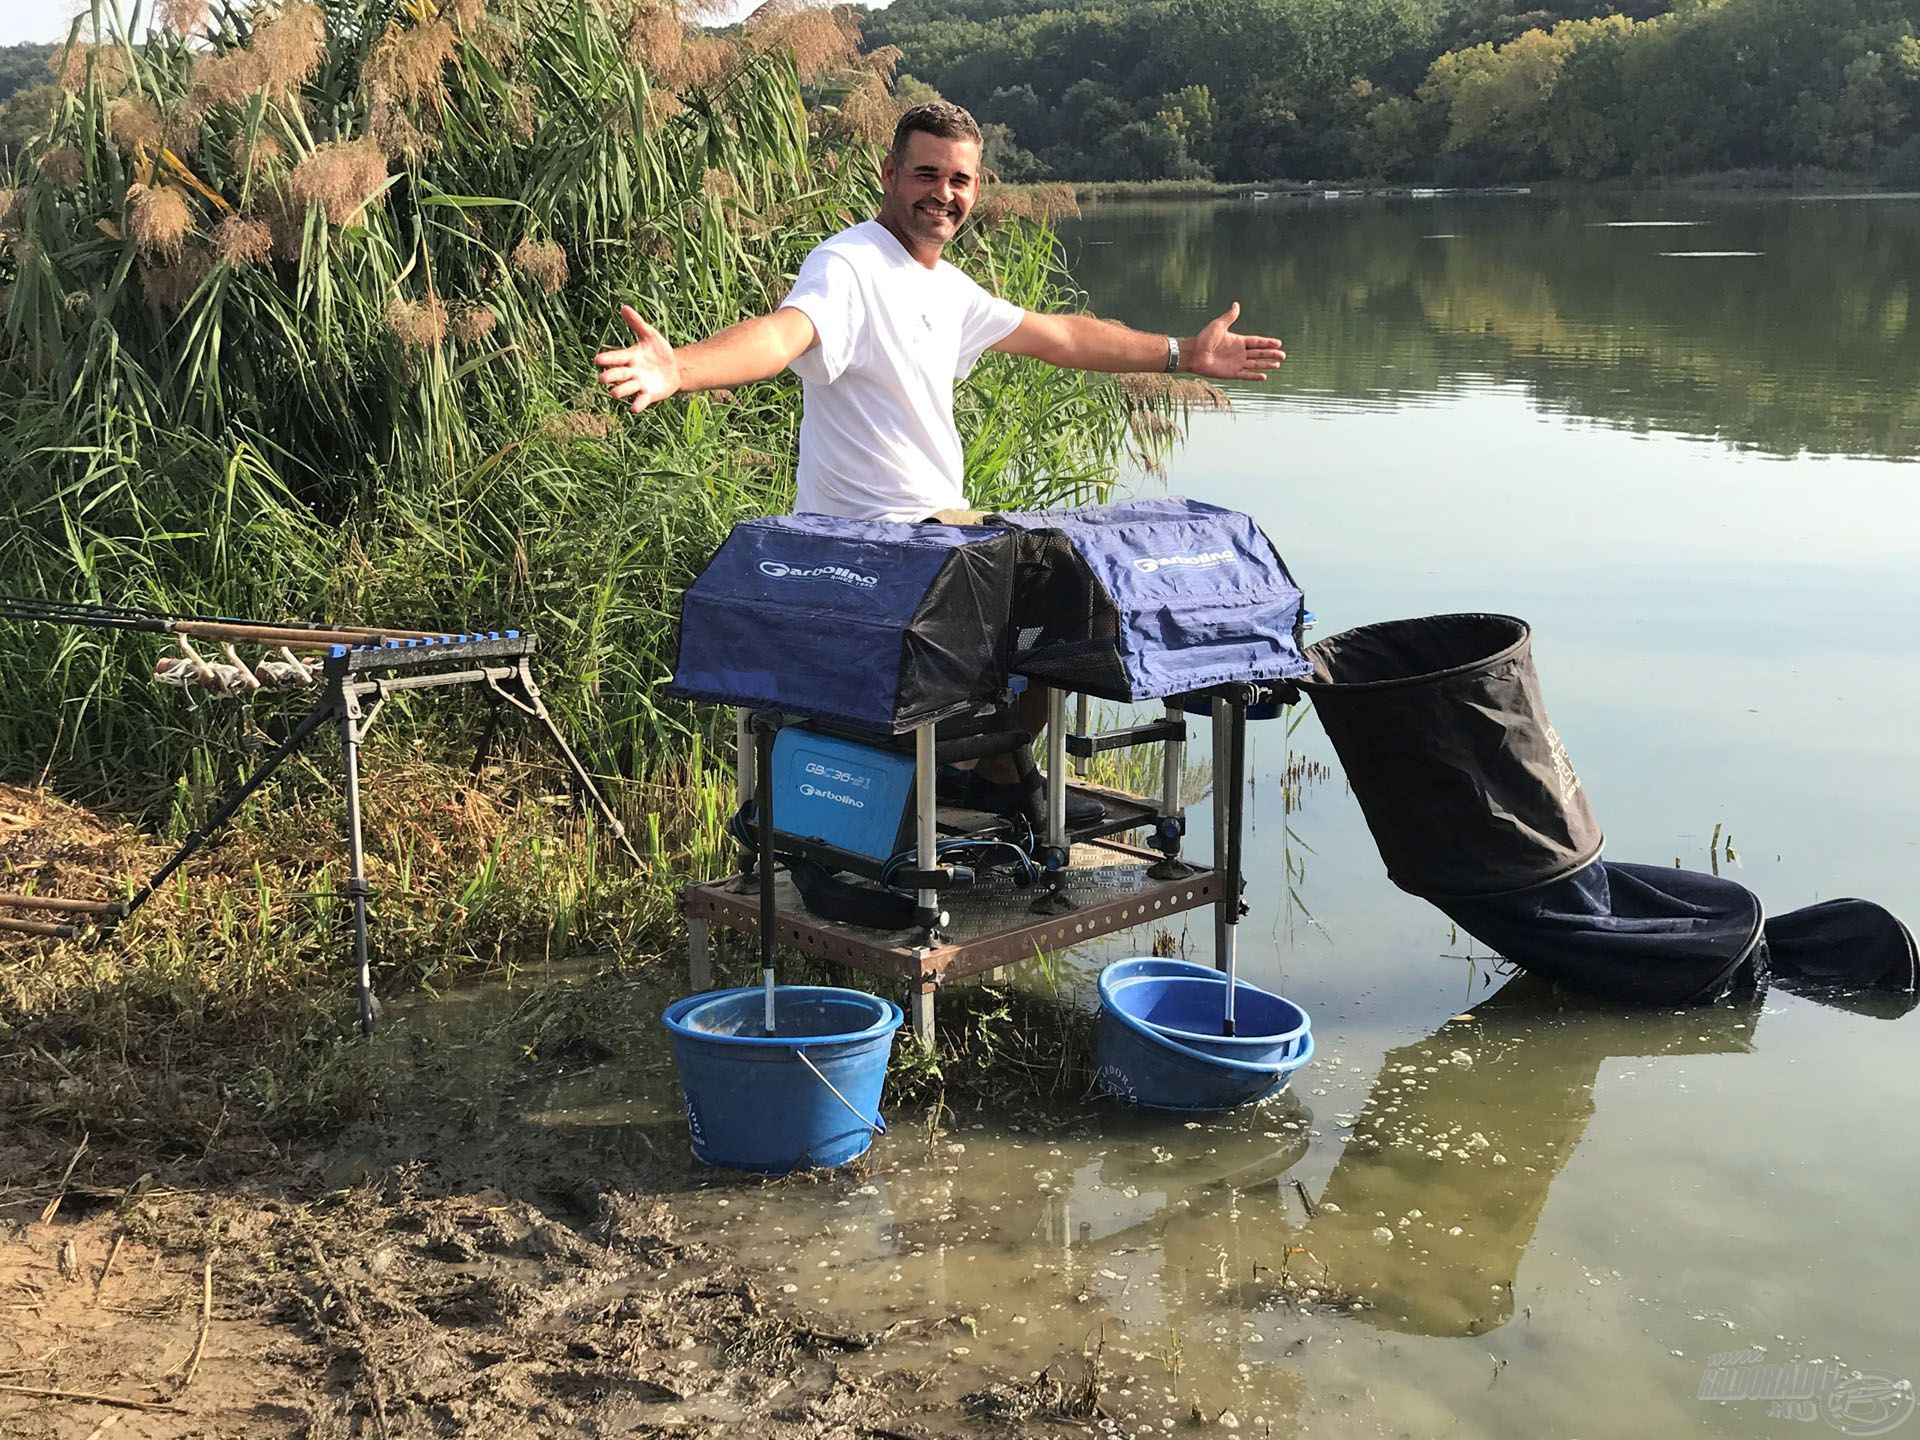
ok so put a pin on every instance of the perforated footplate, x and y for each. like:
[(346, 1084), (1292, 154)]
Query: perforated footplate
[(992, 925)]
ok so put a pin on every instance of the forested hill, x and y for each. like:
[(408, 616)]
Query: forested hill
[(1424, 91), (26, 97)]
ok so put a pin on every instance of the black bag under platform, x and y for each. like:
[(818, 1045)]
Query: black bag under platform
[(1440, 726)]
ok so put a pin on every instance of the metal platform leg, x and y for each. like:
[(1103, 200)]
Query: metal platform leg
[(927, 913), (1055, 852), (357, 890), (743, 790), (1173, 813), (921, 1013), (1222, 813), (699, 954)]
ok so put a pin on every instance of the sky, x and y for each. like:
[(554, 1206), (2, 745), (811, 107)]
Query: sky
[(23, 20)]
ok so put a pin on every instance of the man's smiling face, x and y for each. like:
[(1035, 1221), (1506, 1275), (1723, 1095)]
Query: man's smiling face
[(928, 190)]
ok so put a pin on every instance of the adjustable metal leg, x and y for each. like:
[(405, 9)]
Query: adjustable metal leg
[(926, 832), (1173, 814), (699, 954), (1055, 851), (921, 1004), (323, 709), (769, 911), (1222, 816), (743, 768), (743, 754), (1057, 769), (356, 857), (1236, 834)]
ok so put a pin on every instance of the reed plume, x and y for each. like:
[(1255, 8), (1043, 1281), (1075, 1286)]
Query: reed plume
[(472, 323), (183, 17), (159, 219), (655, 36), (341, 176), (418, 324), (406, 63), (133, 123), (239, 241), (542, 261), (64, 166)]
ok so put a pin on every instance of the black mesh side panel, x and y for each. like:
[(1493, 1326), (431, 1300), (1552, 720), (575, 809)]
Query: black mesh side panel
[(954, 653), (1067, 622)]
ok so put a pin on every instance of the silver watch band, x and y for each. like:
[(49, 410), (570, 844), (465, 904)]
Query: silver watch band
[(1173, 354)]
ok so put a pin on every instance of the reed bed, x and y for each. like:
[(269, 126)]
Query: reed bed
[(297, 305)]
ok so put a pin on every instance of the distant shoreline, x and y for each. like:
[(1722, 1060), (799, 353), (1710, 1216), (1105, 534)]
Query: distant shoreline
[(1810, 182)]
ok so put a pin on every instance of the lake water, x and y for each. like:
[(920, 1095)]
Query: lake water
[(1691, 472)]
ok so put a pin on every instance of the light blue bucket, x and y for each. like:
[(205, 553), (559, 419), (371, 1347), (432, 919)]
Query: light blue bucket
[(1160, 1044), (806, 1096)]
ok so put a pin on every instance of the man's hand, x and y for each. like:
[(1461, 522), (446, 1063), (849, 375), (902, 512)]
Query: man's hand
[(1222, 355), (642, 373)]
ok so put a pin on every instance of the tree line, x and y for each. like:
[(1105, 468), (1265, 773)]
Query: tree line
[(27, 95), (1446, 92)]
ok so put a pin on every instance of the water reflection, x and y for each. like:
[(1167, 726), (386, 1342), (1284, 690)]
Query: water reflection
[(1808, 344), (1443, 1176)]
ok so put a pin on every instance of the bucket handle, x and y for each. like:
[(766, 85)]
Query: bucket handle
[(877, 1125)]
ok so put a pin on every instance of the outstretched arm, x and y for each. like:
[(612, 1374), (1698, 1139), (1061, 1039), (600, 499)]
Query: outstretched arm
[(1081, 342), (650, 369)]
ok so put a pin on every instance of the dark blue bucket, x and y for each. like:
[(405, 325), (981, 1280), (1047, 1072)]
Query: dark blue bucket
[(806, 1096), (1160, 1043)]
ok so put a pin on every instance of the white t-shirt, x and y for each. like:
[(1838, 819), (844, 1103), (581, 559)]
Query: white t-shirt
[(877, 438)]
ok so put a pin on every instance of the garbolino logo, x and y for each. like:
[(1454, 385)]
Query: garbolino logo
[(780, 570), (1205, 560)]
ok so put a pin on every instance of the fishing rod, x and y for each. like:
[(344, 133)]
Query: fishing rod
[(300, 634), (90, 608)]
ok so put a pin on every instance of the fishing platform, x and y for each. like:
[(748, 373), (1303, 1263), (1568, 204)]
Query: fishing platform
[(867, 663)]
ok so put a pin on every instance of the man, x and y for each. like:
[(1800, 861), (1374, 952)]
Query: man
[(880, 328)]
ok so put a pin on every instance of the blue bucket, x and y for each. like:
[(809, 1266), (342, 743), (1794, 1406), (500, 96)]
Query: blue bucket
[(796, 1099), (1160, 1043)]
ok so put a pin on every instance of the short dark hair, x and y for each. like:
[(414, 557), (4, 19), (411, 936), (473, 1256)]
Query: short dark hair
[(934, 117)]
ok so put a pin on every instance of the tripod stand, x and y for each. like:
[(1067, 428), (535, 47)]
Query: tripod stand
[(356, 682)]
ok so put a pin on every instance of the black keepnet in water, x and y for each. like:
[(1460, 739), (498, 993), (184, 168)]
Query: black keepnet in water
[(1441, 728), (1642, 934), (1473, 804)]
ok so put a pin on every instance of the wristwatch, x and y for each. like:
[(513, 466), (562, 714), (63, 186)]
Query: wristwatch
[(1173, 355)]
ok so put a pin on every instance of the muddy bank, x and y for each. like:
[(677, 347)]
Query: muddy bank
[(421, 1281)]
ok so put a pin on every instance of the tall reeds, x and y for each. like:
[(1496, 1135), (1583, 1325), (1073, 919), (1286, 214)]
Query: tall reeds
[(299, 300), (298, 306)]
